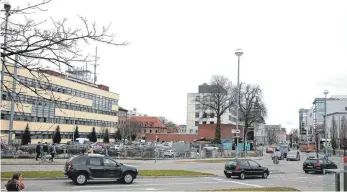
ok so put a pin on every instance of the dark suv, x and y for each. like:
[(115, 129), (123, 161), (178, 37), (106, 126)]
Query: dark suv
[(81, 168), (318, 165), (245, 168)]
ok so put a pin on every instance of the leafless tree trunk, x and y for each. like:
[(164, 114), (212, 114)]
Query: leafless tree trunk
[(252, 108), (271, 135), (217, 101), (333, 135), (129, 130), (343, 133)]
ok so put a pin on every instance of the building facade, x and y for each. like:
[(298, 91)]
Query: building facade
[(60, 100), (151, 125), (196, 115), (122, 116), (182, 129), (341, 124)]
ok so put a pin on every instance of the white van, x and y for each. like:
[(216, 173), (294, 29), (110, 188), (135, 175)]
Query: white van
[(82, 140)]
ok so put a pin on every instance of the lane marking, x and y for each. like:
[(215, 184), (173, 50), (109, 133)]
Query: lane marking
[(139, 185), (236, 182)]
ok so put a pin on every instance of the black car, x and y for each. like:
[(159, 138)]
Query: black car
[(245, 168), (318, 165), (81, 168)]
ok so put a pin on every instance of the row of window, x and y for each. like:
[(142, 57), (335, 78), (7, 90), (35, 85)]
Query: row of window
[(5, 115), (197, 123), (50, 136), (59, 104), (66, 90), (204, 115)]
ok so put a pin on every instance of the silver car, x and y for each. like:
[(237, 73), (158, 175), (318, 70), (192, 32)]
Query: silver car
[(293, 155)]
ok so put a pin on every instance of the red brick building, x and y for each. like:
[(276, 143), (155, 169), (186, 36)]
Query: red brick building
[(205, 131), (151, 125)]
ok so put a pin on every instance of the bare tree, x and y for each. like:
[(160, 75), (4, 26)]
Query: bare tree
[(217, 101), (37, 46), (343, 133), (129, 129), (333, 135), (295, 136), (271, 135), (317, 134), (252, 108)]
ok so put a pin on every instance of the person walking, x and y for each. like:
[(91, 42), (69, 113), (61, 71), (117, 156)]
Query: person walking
[(38, 150), (53, 152), (41, 152), (16, 183), (45, 150)]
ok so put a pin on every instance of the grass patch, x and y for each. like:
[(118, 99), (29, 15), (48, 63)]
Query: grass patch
[(259, 189), (57, 174)]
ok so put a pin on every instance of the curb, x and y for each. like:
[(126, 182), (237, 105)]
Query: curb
[(139, 177)]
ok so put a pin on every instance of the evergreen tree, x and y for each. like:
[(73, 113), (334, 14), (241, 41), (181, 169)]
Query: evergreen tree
[(76, 134), (106, 139), (92, 137), (118, 135), (26, 137), (57, 136)]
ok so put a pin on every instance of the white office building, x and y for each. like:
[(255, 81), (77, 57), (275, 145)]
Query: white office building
[(197, 115)]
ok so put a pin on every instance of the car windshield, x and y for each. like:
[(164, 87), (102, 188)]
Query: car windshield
[(312, 154)]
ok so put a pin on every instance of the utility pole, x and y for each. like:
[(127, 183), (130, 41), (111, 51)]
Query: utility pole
[(95, 64), (13, 98)]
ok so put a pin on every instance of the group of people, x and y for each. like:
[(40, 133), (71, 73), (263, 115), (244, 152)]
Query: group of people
[(43, 149)]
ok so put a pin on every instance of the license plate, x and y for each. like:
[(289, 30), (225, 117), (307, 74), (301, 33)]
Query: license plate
[(309, 166), (229, 172)]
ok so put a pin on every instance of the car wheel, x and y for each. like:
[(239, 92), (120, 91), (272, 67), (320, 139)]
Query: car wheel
[(228, 175), (128, 178), (265, 175), (80, 179), (287, 159), (306, 171), (242, 176)]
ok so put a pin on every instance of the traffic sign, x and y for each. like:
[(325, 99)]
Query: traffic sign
[(235, 131)]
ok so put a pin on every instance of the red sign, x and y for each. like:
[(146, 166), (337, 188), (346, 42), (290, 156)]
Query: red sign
[(345, 159)]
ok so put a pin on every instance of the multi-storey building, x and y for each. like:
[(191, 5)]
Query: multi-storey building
[(122, 116), (341, 124), (313, 118), (148, 125), (196, 114), (182, 129), (47, 99)]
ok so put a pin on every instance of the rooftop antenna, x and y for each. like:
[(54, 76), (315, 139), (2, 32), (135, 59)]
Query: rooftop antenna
[(95, 64)]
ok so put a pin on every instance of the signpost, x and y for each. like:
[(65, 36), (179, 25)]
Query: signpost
[(235, 131)]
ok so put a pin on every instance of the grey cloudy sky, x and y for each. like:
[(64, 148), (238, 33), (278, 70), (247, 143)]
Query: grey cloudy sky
[(292, 49)]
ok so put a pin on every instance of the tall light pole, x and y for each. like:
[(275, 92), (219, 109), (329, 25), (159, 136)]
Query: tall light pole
[(325, 119), (75, 125), (238, 53), (7, 8)]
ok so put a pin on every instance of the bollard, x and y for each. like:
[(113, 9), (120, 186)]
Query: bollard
[(337, 181)]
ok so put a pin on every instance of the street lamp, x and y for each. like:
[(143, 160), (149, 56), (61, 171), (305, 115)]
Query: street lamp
[(326, 92), (238, 53)]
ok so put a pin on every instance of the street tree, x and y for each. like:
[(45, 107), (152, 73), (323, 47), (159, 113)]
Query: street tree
[(106, 136), (333, 135), (57, 136), (118, 135), (216, 101), (26, 137), (294, 137), (271, 135), (42, 44), (129, 129), (252, 108), (76, 134), (343, 134), (92, 136)]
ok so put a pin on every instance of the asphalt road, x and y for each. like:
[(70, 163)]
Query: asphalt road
[(301, 182), (286, 173)]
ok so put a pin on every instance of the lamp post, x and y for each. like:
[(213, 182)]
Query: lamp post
[(74, 120), (238, 53), (7, 8), (325, 117)]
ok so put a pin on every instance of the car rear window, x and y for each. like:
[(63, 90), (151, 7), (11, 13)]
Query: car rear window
[(232, 163), (292, 153), (311, 161)]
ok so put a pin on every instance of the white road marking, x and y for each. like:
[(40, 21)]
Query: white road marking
[(236, 182), (149, 184)]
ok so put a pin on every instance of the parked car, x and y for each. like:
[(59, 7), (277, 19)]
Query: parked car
[(269, 150), (81, 168), (318, 165), (293, 155), (243, 168), (169, 153)]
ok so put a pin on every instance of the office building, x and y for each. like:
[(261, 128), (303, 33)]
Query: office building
[(66, 100)]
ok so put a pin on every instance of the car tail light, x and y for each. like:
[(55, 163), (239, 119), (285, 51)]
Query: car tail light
[(69, 166), (237, 168), (317, 165)]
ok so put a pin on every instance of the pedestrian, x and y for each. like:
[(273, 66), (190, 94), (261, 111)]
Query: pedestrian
[(16, 183), (38, 150), (53, 151), (41, 152), (45, 150)]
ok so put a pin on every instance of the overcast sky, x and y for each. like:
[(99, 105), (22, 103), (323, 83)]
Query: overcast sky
[(292, 49)]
